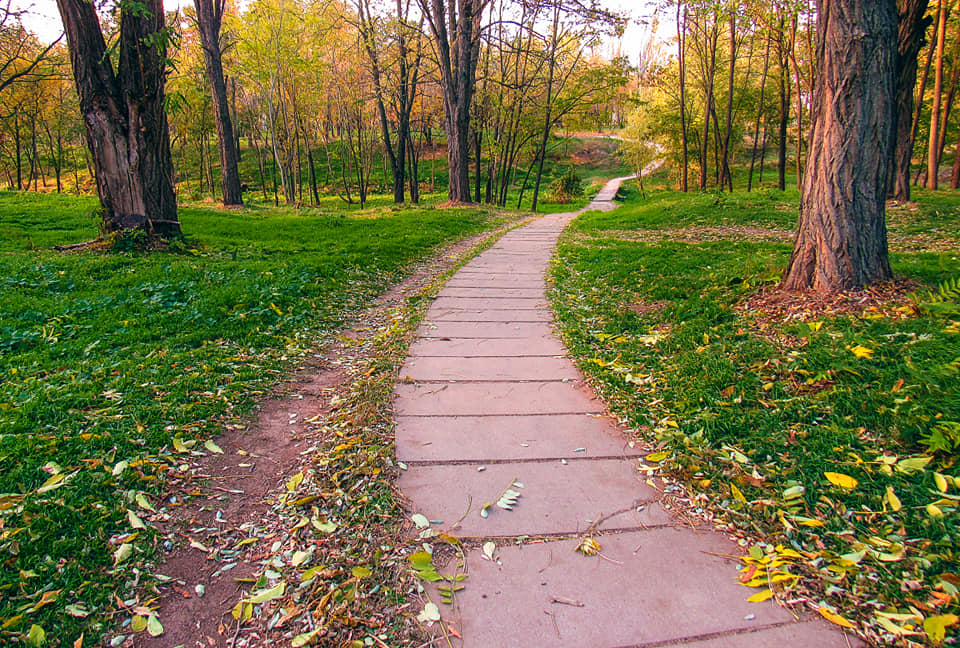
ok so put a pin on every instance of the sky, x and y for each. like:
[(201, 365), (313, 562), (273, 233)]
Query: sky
[(44, 20)]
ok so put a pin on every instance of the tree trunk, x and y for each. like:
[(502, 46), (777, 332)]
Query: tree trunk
[(209, 19), (756, 130), (933, 158), (682, 72), (457, 33), (841, 241), (123, 112), (710, 70), (725, 175), (548, 108), (912, 26), (784, 113)]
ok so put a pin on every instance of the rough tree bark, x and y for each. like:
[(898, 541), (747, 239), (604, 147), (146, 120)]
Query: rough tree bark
[(456, 29), (841, 241), (209, 21), (123, 111), (912, 26)]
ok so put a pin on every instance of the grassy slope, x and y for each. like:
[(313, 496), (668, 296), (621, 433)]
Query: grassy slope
[(106, 358), (753, 413)]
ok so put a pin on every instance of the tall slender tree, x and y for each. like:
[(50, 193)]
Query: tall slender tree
[(209, 22), (912, 25)]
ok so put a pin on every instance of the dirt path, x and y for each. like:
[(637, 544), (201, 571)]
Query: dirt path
[(566, 543), (226, 531)]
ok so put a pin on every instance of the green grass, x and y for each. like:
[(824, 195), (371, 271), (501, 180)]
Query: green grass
[(749, 409), (106, 358)]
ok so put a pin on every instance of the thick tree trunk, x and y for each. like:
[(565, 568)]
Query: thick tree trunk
[(123, 112), (841, 241), (209, 19), (912, 26), (457, 30)]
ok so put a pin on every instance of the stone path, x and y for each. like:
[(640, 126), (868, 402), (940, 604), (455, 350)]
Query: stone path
[(488, 397)]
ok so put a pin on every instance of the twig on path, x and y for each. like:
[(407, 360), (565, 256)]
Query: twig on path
[(465, 513), (555, 626), (565, 601)]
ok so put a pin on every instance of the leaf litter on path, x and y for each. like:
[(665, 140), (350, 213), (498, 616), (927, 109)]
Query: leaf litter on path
[(298, 505)]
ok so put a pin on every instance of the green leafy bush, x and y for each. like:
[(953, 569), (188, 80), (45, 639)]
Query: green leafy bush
[(567, 187)]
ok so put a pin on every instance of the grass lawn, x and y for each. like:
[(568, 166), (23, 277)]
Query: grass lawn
[(829, 443), (108, 358)]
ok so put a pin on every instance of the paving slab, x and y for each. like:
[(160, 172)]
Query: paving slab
[(487, 302), (485, 330), (478, 399), (502, 281), (478, 348), (663, 587), (498, 438), (487, 369), (802, 634), (492, 291), (591, 491), (488, 315)]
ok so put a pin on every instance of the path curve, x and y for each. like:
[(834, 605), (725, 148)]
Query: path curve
[(488, 397)]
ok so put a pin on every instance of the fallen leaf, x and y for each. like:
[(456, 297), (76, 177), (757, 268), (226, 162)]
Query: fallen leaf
[(936, 626), (841, 480), (833, 617), (213, 447), (488, 549), (861, 351), (761, 596), (154, 627)]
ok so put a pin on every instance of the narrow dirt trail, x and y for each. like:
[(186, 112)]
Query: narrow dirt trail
[(490, 403)]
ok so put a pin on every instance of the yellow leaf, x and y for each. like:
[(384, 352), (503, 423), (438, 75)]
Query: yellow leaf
[(761, 596), (841, 480), (275, 309), (833, 617), (934, 511), (861, 351), (941, 482), (737, 494), (55, 481), (814, 326), (295, 481), (811, 522), (936, 626), (657, 456), (79, 642), (893, 500)]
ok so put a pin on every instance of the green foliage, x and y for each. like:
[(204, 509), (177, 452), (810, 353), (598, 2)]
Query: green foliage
[(830, 436), (106, 358), (567, 187), (943, 302)]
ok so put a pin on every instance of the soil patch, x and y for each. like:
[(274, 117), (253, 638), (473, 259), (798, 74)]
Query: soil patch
[(224, 530), (772, 305)]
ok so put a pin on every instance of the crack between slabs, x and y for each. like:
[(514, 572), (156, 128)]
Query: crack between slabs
[(501, 414), (707, 636), (560, 536), (428, 463)]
